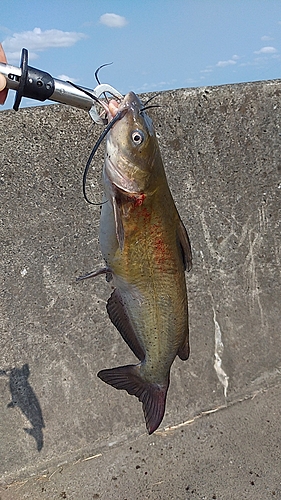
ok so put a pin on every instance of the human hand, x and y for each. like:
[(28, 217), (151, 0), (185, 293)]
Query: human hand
[(3, 90)]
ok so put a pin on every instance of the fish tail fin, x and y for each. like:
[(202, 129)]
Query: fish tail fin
[(151, 395)]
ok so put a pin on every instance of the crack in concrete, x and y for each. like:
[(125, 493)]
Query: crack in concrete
[(219, 347), (17, 484), (202, 414)]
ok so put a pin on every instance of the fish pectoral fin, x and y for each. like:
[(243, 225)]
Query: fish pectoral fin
[(117, 313), (152, 396), (118, 223), (183, 351), (97, 272), (185, 246)]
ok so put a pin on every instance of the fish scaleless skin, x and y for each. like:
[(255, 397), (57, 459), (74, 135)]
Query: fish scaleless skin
[(146, 250)]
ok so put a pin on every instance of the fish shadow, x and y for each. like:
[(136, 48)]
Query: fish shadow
[(24, 397)]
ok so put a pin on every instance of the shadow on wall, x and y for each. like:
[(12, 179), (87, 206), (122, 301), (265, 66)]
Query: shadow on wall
[(24, 397)]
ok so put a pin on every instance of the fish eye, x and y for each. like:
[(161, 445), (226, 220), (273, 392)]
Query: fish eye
[(137, 137)]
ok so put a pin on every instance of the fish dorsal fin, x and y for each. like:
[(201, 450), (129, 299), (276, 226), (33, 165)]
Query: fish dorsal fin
[(119, 317), (185, 246)]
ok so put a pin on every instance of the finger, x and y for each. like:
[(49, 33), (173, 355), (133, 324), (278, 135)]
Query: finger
[(3, 58), (3, 90)]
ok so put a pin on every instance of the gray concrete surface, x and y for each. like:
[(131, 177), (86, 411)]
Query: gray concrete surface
[(221, 148), (221, 456)]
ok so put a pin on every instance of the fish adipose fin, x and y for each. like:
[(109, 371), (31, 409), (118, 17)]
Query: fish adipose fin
[(185, 246), (152, 396), (121, 321)]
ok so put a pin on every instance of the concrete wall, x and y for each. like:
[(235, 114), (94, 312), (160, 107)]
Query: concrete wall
[(221, 148)]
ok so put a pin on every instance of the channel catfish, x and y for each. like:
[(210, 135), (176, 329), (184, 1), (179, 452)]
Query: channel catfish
[(147, 250)]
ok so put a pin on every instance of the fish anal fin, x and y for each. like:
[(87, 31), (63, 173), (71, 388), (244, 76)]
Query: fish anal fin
[(185, 246), (184, 349), (117, 313), (151, 395)]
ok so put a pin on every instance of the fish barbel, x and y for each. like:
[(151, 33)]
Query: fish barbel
[(146, 249)]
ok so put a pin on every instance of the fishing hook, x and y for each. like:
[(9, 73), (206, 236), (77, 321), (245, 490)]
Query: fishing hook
[(97, 78)]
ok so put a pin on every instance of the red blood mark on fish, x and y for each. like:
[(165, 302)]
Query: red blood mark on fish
[(138, 200), (161, 253), (142, 219), (138, 204)]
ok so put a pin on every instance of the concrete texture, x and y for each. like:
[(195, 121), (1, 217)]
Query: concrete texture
[(221, 456), (221, 148)]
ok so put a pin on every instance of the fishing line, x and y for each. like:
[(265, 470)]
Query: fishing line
[(97, 78), (90, 93), (85, 91), (97, 71)]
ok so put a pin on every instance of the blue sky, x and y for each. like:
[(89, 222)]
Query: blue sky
[(153, 44)]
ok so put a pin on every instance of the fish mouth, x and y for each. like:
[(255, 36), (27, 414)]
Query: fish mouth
[(113, 107), (130, 101)]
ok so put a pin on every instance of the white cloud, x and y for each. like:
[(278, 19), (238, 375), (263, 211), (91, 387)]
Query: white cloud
[(38, 40), (15, 56), (113, 20), (229, 62), (220, 64), (149, 86), (4, 29), (67, 78), (266, 38), (266, 50)]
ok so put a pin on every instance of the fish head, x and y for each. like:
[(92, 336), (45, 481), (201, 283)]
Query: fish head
[(131, 147)]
